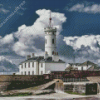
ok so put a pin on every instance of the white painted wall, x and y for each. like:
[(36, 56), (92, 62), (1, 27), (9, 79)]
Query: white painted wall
[(55, 57), (54, 67), (49, 47), (41, 68), (28, 69)]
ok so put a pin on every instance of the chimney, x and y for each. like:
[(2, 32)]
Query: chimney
[(46, 55), (33, 55), (28, 56), (55, 57)]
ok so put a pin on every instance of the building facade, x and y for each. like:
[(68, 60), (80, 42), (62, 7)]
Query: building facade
[(39, 66)]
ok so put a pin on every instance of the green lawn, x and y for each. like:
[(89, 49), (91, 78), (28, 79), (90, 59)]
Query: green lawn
[(74, 93)]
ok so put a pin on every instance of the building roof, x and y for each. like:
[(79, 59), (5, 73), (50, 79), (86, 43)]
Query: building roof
[(74, 64), (88, 63), (41, 59), (84, 64), (94, 79)]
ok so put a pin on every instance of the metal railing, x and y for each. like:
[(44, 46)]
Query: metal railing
[(74, 79)]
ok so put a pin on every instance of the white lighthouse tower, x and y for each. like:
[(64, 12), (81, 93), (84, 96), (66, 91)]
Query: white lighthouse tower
[(50, 40)]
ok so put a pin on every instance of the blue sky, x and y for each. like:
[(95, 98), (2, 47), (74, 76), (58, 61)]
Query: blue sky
[(78, 22)]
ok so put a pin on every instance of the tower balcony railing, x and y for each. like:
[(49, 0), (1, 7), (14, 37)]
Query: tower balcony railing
[(50, 29)]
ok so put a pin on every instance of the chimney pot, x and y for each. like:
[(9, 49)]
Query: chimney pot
[(28, 56), (32, 54)]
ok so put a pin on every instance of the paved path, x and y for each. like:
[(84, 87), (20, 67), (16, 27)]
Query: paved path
[(48, 96)]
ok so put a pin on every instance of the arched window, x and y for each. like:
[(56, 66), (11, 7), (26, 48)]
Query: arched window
[(52, 41)]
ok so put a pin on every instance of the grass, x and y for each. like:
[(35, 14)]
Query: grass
[(74, 93), (16, 94)]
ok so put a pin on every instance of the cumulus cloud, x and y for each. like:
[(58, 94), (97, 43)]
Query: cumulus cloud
[(28, 35), (29, 39), (2, 58), (7, 39), (91, 41), (87, 46), (94, 8)]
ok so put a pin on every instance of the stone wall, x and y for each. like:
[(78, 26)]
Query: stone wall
[(9, 82)]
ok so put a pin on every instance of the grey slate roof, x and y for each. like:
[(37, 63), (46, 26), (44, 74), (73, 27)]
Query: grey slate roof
[(86, 64), (41, 59), (77, 64)]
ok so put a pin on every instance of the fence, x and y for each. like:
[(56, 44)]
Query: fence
[(74, 79)]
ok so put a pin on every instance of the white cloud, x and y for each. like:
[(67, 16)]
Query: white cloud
[(94, 8), (4, 10), (77, 7), (91, 41), (28, 35), (7, 39), (86, 47), (2, 58), (30, 39)]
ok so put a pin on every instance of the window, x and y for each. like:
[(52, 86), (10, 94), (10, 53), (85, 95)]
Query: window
[(33, 64), (52, 41), (32, 72), (28, 72), (41, 72), (25, 72), (29, 64), (52, 52), (25, 65), (46, 41)]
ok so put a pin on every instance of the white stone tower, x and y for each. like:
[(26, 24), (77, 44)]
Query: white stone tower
[(50, 40)]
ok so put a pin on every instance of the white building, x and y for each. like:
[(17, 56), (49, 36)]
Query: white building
[(82, 66), (34, 65)]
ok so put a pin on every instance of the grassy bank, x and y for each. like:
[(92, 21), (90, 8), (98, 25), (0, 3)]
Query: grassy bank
[(74, 93), (16, 94)]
